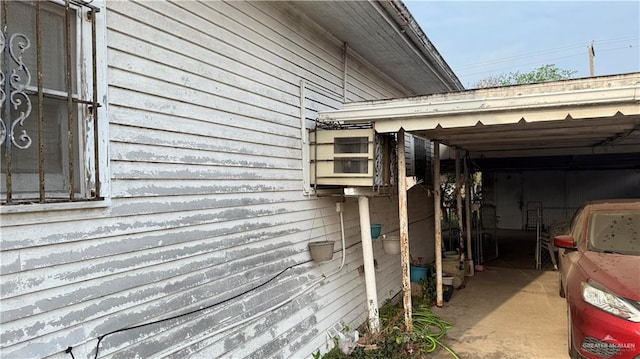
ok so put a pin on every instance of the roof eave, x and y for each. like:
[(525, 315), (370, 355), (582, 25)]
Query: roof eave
[(407, 22)]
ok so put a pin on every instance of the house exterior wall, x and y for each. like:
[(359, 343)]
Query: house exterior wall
[(206, 199)]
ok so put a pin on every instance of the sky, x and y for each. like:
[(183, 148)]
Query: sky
[(479, 39)]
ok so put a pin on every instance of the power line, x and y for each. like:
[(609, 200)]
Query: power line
[(518, 65), (544, 52), (546, 60), (511, 58), (617, 40), (616, 49)]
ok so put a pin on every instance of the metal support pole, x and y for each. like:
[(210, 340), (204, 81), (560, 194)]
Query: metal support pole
[(467, 207), (459, 209), (404, 231), (437, 215), (538, 244), (369, 267)]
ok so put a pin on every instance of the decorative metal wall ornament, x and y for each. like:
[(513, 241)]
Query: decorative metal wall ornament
[(15, 84)]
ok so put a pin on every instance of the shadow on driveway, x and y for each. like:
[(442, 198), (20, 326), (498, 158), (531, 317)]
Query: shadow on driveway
[(505, 312)]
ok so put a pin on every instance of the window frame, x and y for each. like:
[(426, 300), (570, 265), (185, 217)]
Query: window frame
[(96, 174)]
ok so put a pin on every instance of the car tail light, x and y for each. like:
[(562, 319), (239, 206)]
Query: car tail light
[(601, 298)]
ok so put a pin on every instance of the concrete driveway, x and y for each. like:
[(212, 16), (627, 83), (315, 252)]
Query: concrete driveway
[(505, 313)]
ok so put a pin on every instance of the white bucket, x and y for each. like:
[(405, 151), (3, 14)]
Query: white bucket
[(391, 244), (452, 266)]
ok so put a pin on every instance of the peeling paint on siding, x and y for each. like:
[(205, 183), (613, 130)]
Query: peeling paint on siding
[(206, 200)]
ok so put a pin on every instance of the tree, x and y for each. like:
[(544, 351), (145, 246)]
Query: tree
[(543, 73)]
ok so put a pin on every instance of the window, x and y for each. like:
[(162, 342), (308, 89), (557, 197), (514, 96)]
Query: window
[(48, 109)]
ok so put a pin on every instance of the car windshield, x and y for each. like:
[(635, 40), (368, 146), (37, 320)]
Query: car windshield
[(615, 232)]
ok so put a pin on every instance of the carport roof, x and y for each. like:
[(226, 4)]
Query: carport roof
[(598, 115)]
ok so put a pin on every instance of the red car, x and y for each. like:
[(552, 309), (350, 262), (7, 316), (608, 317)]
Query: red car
[(600, 275)]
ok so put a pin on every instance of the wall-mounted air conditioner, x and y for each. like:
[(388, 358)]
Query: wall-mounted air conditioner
[(352, 158)]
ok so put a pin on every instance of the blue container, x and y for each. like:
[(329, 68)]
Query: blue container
[(416, 273), (375, 230)]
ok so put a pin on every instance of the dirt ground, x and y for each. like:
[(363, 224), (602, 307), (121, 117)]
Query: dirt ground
[(507, 312)]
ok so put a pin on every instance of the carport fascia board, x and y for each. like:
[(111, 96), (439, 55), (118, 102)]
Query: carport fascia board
[(491, 107)]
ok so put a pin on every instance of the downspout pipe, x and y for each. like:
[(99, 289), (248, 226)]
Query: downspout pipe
[(344, 72), (304, 142)]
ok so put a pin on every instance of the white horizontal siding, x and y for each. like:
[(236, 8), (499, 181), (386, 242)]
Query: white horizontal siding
[(150, 136), (206, 183)]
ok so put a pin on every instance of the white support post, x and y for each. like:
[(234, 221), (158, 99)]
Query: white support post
[(437, 215), (369, 267)]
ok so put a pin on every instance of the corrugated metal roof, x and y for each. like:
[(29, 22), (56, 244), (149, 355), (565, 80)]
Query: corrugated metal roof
[(583, 116)]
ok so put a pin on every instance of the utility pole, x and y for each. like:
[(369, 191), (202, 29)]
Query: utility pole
[(592, 54)]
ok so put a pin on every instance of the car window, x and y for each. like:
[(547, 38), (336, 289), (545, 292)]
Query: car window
[(577, 225), (617, 232)]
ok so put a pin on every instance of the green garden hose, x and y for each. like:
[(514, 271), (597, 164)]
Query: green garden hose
[(431, 328)]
